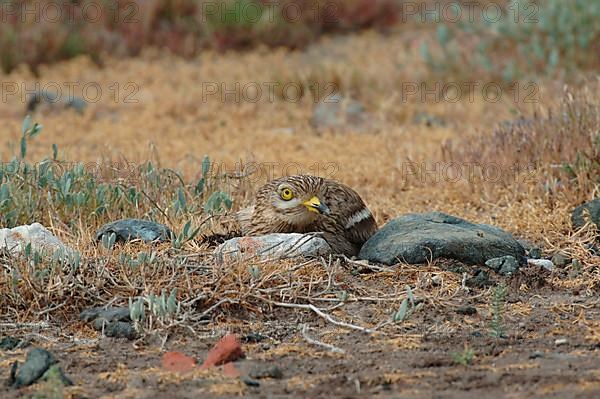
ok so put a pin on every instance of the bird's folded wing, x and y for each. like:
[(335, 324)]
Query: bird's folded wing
[(244, 218), (351, 213)]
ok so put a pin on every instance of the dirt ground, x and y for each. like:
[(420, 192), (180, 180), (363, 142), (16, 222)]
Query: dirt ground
[(550, 345), (550, 349)]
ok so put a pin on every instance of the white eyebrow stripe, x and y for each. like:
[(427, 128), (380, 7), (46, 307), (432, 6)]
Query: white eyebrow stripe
[(358, 217)]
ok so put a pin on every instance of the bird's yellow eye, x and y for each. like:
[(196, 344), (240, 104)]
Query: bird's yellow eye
[(286, 194)]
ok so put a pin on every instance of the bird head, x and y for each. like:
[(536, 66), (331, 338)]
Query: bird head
[(297, 200)]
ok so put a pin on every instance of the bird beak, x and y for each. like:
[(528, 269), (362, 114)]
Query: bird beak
[(315, 205)]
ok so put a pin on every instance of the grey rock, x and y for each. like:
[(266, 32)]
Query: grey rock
[(546, 264), (466, 310), (115, 329), (423, 118), (536, 355), (272, 247), (16, 239), (561, 259), (535, 253), (561, 341), (418, 238), (338, 112), (135, 229), (526, 244), (108, 314), (76, 103), (505, 265), (481, 279), (113, 322), (10, 343), (53, 101), (250, 382), (436, 280), (578, 216), (37, 362)]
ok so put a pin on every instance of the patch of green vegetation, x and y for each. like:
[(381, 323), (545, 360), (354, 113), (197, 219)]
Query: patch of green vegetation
[(497, 328), (550, 38), (408, 306), (74, 194), (148, 310), (464, 358)]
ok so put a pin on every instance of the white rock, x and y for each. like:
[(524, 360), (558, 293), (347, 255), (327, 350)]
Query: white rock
[(561, 341), (272, 247), (16, 239), (546, 264)]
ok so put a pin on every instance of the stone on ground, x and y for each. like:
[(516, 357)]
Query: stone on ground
[(37, 362), (340, 113), (579, 215), (15, 240), (135, 229), (113, 322), (272, 247), (505, 265), (419, 238)]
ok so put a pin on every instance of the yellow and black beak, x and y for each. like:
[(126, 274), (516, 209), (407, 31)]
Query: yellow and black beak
[(315, 205)]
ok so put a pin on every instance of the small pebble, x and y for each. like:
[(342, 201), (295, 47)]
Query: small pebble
[(561, 341), (250, 382), (466, 310), (436, 280), (505, 265), (536, 355), (10, 343), (535, 253), (560, 259), (37, 362), (546, 264), (253, 337), (266, 372)]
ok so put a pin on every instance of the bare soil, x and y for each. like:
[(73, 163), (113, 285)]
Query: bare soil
[(550, 349)]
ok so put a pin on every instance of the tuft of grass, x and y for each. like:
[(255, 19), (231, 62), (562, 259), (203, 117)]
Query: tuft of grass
[(149, 312), (73, 194), (556, 156), (407, 307), (497, 328), (464, 358)]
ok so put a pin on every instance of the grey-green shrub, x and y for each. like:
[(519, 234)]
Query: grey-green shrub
[(548, 38)]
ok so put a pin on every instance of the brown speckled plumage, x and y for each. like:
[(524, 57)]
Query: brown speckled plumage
[(338, 212)]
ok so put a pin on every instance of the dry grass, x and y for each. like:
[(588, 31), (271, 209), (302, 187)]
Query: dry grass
[(173, 125), (47, 31)]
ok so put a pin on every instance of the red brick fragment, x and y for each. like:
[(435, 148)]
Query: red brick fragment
[(178, 362), (228, 349)]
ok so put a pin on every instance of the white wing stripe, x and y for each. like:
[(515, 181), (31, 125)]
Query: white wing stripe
[(358, 217)]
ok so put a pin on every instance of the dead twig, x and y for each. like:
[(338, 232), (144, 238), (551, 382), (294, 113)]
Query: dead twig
[(313, 341), (320, 313)]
